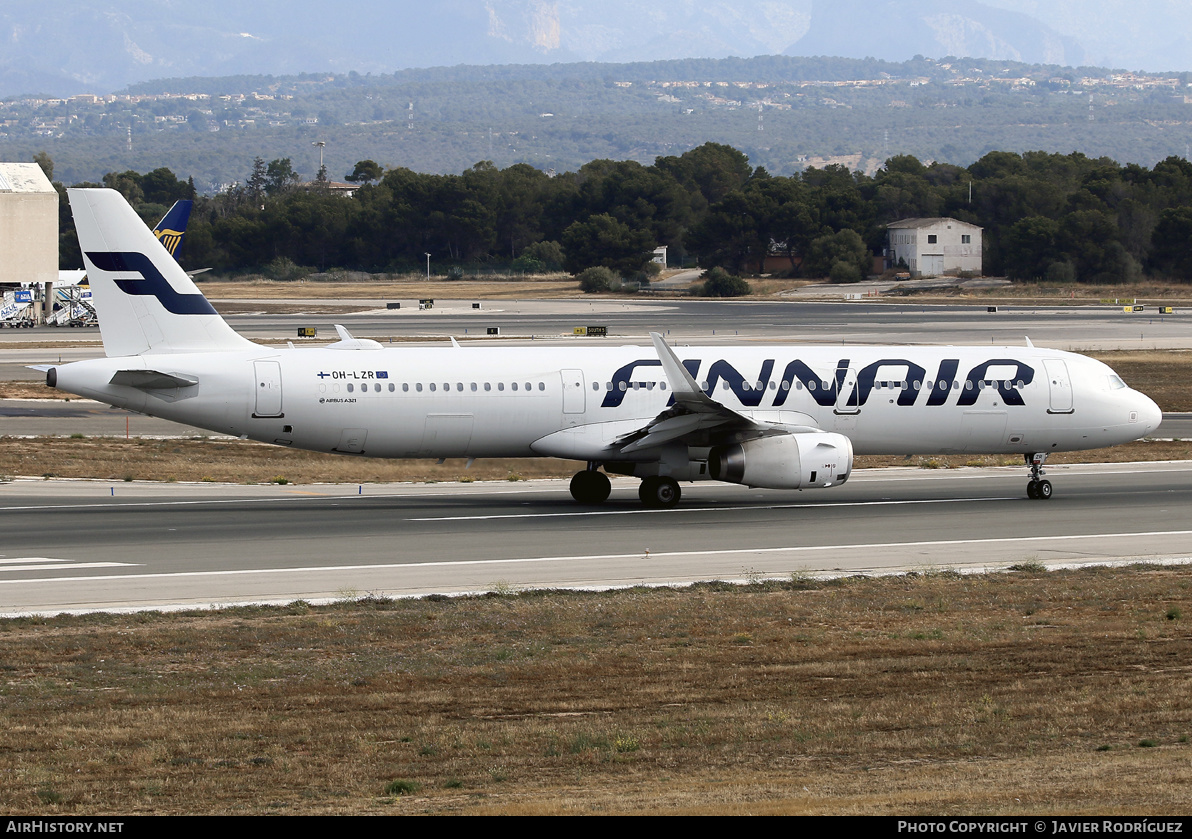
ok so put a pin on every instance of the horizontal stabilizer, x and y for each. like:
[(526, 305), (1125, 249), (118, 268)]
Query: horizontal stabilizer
[(347, 341), (152, 379)]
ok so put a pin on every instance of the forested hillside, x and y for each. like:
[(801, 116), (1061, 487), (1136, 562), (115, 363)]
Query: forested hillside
[(785, 113)]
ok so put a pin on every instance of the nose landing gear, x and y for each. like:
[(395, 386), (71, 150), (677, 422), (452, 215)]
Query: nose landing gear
[(1038, 488)]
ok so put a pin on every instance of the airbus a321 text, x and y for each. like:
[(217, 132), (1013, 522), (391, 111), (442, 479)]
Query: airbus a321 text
[(782, 417)]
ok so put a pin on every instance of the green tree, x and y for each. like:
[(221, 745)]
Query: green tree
[(127, 184), (280, 177), (597, 279), (161, 186), (842, 256), (255, 185), (1170, 253), (1030, 247), (720, 283), (602, 240), (365, 171), (43, 160)]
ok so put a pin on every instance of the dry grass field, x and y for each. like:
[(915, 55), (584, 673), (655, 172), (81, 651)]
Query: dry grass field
[(1027, 692)]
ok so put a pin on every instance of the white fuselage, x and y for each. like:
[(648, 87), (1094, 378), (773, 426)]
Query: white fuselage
[(482, 401)]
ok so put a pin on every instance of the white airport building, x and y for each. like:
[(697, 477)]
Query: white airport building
[(930, 247), (28, 238)]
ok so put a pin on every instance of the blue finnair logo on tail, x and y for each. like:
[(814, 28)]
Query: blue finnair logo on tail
[(152, 282)]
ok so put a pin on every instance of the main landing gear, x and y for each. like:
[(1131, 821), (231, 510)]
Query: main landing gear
[(592, 486), (659, 492), (1037, 488)]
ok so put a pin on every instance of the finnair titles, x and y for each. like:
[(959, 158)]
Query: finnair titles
[(777, 417)]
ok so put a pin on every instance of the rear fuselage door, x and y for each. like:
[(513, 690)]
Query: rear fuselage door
[(268, 386)]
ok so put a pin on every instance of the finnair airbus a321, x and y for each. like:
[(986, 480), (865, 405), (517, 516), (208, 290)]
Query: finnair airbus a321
[(782, 417)]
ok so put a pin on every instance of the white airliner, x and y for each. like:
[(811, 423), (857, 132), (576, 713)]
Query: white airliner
[(784, 417)]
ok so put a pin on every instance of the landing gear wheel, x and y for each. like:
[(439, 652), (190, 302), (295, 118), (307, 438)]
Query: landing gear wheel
[(1038, 487), (658, 492), (590, 487)]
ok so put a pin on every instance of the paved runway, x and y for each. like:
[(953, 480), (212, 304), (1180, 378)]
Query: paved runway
[(78, 545)]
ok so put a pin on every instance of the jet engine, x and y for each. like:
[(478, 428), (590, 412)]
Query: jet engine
[(785, 461)]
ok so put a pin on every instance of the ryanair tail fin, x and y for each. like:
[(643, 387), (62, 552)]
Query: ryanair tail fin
[(145, 301), (172, 227)]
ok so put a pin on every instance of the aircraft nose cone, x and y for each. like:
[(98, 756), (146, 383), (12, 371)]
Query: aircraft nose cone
[(1149, 414)]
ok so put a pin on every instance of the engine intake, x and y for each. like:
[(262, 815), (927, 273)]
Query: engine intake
[(785, 461)]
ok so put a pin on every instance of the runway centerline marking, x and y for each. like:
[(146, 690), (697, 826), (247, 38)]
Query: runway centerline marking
[(636, 556)]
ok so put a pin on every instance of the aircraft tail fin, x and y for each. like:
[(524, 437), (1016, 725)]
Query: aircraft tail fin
[(145, 302), (172, 227)]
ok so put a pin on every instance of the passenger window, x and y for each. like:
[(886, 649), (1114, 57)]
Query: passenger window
[(473, 387), (500, 385), (350, 388), (392, 387), (514, 385), (418, 387), (432, 387), (488, 386), (542, 385)]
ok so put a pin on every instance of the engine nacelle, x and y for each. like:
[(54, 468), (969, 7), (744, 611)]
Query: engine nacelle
[(785, 461)]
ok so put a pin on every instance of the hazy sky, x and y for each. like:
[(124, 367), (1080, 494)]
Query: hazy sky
[(97, 46)]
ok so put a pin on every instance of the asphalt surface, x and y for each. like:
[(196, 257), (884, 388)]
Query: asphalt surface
[(81, 545)]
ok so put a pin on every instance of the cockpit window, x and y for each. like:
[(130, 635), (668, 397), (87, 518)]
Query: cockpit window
[(1115, 382)]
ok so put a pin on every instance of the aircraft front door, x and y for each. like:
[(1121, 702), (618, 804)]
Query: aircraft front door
[(573, 391), (1059, 386)]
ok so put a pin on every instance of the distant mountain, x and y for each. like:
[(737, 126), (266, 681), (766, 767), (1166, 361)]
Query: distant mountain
[(99, 46), (895, 30), (1155, 35)]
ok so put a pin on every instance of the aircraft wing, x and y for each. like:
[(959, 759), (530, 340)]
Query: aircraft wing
[(694, 418)]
